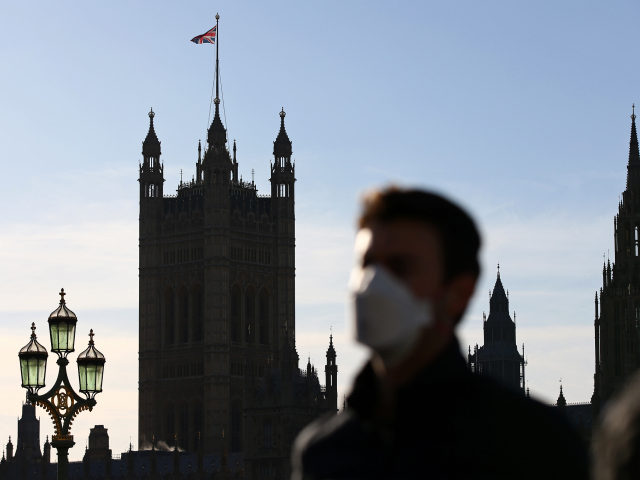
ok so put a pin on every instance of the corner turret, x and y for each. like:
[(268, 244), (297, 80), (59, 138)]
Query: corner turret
[(151, 170), (9, 450), (282, 169), (331, 377), (46, 456)]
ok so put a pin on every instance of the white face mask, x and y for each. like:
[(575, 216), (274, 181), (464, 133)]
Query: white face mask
[(388, 317)]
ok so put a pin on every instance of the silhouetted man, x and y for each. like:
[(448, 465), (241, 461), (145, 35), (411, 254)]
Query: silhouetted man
[(416, 411)]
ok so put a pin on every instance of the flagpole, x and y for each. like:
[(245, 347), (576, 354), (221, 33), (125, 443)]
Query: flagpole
[(217, 45)]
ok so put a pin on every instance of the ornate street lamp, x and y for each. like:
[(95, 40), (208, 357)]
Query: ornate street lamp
[(61, 402)]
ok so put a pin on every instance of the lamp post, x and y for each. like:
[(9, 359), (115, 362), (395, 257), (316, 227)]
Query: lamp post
[(61, 402)]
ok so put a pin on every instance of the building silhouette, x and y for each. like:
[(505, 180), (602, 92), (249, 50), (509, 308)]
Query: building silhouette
[(617, 304), (499, 357), (218, 367), (580, 415), (98, 462), (28, 447)]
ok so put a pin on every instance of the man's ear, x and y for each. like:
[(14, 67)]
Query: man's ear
[(461, 289)]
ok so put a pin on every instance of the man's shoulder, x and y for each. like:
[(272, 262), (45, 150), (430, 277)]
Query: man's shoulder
[(470, 425), (524, 426), (323, 428), (332, 443), (329, 432)]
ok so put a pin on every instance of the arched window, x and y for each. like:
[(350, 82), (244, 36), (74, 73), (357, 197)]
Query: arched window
[(235, 313), (263, 316), (183, 305), (250, 315), (169, 317)]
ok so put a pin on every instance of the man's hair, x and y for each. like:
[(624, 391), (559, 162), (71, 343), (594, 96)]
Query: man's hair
[(459, 236)]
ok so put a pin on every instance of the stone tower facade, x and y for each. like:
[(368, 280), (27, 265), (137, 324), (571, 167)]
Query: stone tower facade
[(218, 368), (499, 357), (617, 304)]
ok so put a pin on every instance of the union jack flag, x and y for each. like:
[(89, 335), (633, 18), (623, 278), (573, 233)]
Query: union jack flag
[(208, 37)]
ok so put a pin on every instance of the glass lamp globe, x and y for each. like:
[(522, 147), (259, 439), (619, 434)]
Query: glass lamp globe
[(62, 328), (90, 369), (33, 363)]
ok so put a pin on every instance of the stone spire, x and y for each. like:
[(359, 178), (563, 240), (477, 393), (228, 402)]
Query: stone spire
[(331, 351), (499, 302), (561, 402), (633, 167), (217, 134), (151, 144), (282, 145)]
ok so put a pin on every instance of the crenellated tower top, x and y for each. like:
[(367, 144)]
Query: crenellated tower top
[(151, 170)]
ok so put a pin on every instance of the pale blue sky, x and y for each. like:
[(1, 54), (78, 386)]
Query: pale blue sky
[(518, 110)]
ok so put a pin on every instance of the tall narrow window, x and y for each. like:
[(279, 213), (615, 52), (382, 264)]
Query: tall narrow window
[(636, 239), (263, 312), (236, 426), (235, 314), (184, 315), (267, 433), (197, 331), (169, 317), (250, 315)]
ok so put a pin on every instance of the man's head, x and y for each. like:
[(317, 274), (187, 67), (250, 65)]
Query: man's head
[(459, 240), (430, 246)]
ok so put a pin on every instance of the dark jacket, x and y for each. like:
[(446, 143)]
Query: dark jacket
[(448, 424)]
